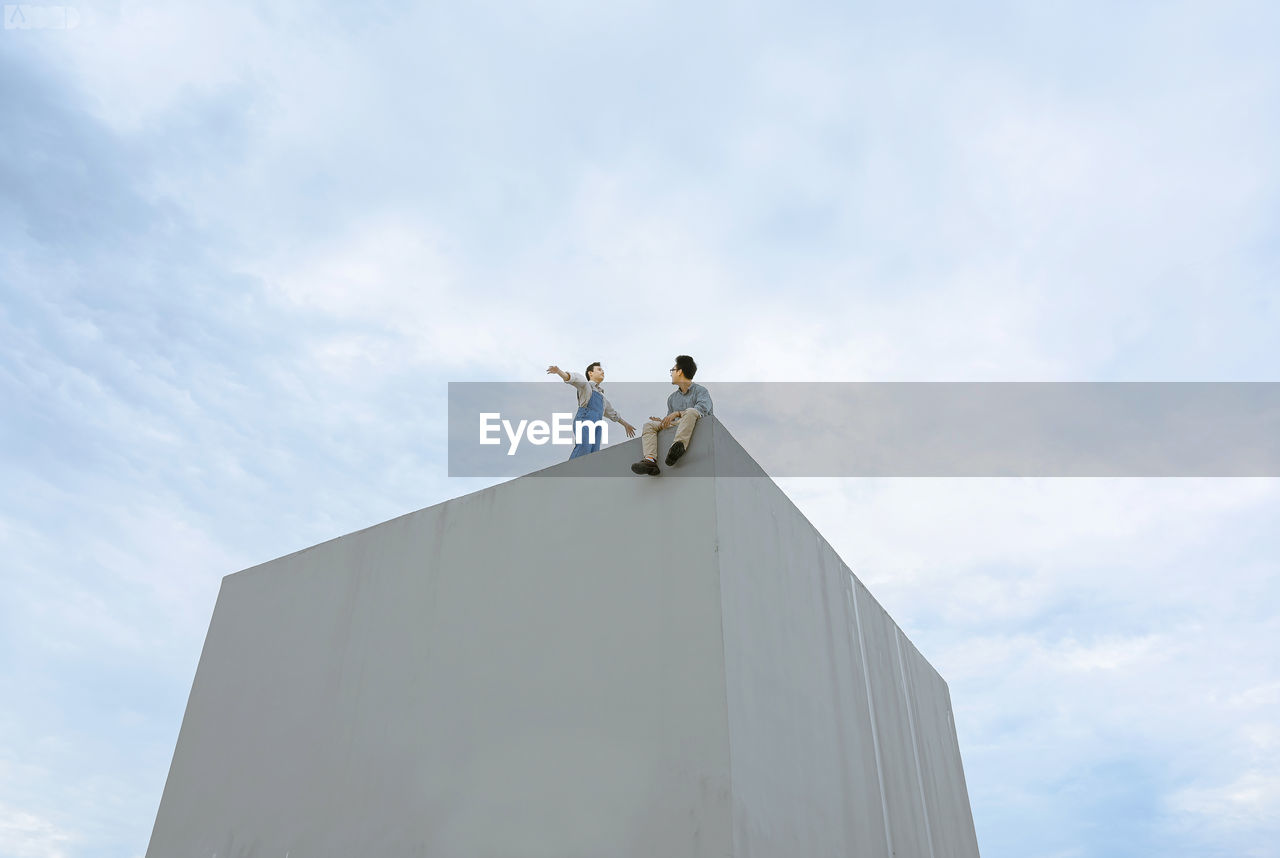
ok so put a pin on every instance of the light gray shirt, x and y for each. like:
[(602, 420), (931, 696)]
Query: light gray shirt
[(585, 388), (697, 398)]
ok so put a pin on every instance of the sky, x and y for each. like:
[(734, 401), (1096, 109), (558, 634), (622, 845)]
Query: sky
[(245, 247)]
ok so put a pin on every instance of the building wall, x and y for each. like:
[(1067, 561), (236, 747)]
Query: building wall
[(531, 670), (841, 739), (576, 663)]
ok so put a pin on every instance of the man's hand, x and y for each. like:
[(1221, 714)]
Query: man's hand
[(668, 421), (631, 430), (553, 369)]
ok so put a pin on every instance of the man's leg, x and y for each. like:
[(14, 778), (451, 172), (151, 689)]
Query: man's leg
[(684, 433), (649, 441), (684, 428)]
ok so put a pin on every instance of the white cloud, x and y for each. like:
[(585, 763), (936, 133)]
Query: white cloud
[(923, 532), (1109, 653), (1250, 802), (174, 51), (389, 270), (28, 835)]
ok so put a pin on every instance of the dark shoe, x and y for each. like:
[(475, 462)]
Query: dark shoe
[(674, 454), (646, 466)]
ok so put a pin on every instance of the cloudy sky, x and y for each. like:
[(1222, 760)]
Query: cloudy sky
[(244, 247)]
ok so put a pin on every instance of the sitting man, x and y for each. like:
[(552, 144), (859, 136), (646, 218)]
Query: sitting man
[(684, 408)]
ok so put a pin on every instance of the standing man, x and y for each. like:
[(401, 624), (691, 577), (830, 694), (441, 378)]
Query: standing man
[(685, 407), (592, 406)]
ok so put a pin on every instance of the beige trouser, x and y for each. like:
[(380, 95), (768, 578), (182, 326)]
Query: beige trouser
[(684, 431)]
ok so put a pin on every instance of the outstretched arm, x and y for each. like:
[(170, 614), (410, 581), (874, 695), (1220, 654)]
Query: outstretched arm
[(555, 370), (612, 414)]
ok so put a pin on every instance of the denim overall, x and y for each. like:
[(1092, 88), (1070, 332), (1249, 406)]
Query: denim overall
[(593, 410)]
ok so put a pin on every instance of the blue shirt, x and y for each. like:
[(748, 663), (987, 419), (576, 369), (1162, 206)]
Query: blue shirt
[(697, 398)]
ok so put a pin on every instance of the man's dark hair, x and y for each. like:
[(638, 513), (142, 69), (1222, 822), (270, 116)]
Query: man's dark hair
[(591, 366), (685, 364)]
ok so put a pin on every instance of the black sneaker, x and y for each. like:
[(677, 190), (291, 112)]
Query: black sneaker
[(674, 454), (646, 466)]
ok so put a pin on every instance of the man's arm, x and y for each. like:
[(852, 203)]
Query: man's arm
[(672, 414), (702, 402), (612, 414), (577, 379)]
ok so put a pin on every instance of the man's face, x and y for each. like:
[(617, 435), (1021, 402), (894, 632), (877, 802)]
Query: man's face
[(596, 374), (676, 375)]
